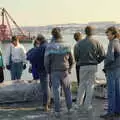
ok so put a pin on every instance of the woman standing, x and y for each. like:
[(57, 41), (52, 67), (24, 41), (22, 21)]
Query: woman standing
[(16, 59), (112, 70)]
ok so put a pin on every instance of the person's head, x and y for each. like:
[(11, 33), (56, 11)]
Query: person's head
[(89, 30), (35, 43), (56, 33), (112, 33), (77, 36), (14, 40), (40, 39)]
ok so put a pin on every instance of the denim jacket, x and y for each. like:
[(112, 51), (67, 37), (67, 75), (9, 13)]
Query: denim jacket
[(113, 55)]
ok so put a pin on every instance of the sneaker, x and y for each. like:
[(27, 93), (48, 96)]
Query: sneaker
[(71, 111), (107, 115)]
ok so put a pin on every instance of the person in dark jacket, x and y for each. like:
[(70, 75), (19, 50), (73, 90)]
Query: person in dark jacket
[(58, 63), (33, 67), (112, 71), (77, 37), (89, 53), (37, 57)]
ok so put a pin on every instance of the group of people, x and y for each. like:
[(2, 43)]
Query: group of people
[(52, 63)]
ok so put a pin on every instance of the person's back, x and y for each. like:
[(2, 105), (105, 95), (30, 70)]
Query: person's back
[(59, 56), (58, 62), (90, 52)]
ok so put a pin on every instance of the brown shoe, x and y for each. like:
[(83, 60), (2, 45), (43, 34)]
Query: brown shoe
[(46, 108)]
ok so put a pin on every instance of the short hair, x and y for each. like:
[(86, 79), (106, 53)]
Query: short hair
[(14, 38), (114, 31), (89, 30), (34, 43), (40, 37), (78, 34), (56, 32)]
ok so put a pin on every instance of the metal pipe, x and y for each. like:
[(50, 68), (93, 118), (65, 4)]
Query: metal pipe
[(3, 14), (14, 22), (8, 25)]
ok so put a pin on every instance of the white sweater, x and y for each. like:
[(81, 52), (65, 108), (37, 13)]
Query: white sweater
[(18, 54)]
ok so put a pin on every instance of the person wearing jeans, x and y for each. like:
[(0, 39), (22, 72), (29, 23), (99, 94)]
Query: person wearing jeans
[(58, 63), (36, 57), (61, 78), (77, 37), (112, 71), (16, 59)]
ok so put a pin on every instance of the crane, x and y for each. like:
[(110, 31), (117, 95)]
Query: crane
[(5, 27)]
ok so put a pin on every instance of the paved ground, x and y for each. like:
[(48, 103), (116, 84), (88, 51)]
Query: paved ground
[(37, 114)]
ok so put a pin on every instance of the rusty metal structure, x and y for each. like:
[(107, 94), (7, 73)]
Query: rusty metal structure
[(5, 27)]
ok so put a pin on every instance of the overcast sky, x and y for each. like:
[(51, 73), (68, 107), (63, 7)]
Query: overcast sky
[(44, 12)]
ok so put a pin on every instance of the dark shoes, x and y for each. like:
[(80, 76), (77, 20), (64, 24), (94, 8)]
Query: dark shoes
[(109, 115), (46, 108)]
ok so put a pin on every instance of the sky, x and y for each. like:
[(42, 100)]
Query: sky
[(47, 12)]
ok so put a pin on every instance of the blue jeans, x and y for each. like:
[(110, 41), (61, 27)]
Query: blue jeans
[(61, 78), (16, 70), (44, 81), (113, 84)]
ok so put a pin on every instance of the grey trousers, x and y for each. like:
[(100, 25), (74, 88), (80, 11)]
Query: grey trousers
[(86, 86)]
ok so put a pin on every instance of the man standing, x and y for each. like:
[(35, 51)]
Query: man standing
[(58, 62), (37, 58), (89, 54), (77, 37)]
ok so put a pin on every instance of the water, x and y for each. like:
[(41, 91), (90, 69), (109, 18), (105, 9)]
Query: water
[(70, 40)]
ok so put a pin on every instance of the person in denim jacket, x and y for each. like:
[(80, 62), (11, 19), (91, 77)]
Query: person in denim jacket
[(112, 71)]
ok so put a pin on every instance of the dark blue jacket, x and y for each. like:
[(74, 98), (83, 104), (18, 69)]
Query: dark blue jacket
[(36, 56)]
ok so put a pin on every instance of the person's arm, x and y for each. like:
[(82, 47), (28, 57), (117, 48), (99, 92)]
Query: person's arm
[(76, 53), (100, 53), (2, 62), (23, 55), (71, 61), (109, 59), (7, 55), (116, 48), (1, 57), (47, 61)]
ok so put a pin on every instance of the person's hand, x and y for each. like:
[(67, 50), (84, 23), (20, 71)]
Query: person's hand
[(8, 67), (104, 70), (30, 69), (24, 66), (69, 71), (3, 67)]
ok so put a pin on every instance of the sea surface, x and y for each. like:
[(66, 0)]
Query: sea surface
[(69, 38)]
